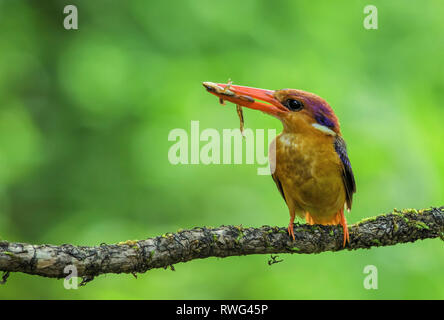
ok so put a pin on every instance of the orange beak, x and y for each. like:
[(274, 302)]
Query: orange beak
[(253, 98)]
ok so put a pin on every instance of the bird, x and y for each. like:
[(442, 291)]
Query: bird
[(309, 162)]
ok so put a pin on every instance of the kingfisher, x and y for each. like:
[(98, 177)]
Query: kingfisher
[(308, 160)]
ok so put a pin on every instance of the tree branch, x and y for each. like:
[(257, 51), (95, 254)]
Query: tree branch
[(163, 251)]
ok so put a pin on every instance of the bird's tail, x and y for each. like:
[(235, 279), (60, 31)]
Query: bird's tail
[(337, 219)]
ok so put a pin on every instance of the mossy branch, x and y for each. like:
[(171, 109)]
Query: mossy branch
[(163, 251)]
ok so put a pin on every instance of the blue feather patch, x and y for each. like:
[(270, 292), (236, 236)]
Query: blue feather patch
[(323, 120)]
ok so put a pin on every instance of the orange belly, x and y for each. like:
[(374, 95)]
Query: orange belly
[(309, 171)]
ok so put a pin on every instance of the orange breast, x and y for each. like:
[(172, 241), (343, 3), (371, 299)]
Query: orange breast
[(309, 171)]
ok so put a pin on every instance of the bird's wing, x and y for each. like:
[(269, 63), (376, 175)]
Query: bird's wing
[(278, 185), (347, 173)]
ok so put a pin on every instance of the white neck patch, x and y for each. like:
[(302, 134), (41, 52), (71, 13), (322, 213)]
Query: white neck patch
[(324, 129)]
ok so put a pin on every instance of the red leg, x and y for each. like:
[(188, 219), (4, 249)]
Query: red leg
[(343, 223), (291, 225)]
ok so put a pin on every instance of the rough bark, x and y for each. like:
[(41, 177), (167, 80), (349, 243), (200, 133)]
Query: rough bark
[(46, 260)]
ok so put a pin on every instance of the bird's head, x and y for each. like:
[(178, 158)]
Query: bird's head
[(298, 110)]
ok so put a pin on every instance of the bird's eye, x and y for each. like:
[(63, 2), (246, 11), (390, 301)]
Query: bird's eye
[(294, 105)]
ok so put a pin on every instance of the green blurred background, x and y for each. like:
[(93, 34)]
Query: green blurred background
[(85, 117)]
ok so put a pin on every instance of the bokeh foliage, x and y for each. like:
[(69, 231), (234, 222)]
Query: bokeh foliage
[(85, 116)]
